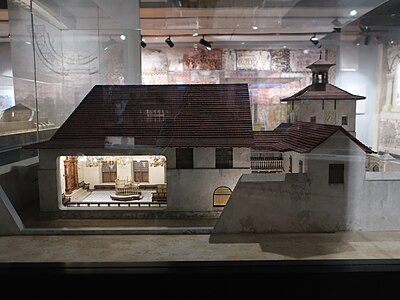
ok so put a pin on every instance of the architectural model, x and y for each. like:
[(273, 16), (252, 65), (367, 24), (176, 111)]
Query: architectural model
[(189, 149)]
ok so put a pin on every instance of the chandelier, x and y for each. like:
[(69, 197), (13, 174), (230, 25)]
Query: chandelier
[(158, 161), (97, 161)]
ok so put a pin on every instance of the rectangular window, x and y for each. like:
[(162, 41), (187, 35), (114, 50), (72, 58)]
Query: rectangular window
[(224, 158), (184, 158), (141, 171), (313, 119), (109, 172), (336, 173), (344, 120)]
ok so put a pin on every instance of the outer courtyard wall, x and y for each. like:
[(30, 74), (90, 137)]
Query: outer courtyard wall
[(301, 202)]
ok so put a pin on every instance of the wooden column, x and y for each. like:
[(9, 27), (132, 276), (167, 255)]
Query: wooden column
[(71, 174)]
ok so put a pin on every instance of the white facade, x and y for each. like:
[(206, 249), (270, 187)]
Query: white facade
[(324, 111)]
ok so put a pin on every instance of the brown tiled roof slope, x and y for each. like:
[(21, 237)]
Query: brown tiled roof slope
[(331, 92), (160, 115), (301, 137)]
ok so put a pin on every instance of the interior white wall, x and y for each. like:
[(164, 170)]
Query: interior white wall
[(61, 168), (124, 173), (93, 176), (156, 175)]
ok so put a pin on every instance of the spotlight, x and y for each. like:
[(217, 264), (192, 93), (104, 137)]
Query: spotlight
[(205, 43), (314, 40), (142, 43), (364, 28), (169, 42), (195, 34), (122, 37)]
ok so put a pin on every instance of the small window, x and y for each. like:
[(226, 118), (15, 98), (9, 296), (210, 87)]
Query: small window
[(221, 196), (290, 164), (344, 120), (313, 119), (141, 171), (184, 158), (223, 158), (336, 173)]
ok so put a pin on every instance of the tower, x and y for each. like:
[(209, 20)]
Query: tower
[(322, 102)]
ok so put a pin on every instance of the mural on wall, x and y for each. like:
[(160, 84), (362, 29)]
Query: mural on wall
[(390, 134), (201, 59), (272, 74), (253, 60), (389, 124)]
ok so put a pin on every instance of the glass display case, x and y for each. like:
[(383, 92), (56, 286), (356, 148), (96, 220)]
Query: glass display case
[(208, 117)]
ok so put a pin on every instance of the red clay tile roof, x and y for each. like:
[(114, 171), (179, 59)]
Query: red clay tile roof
[(331, 92), (301, 137), (160, 115)]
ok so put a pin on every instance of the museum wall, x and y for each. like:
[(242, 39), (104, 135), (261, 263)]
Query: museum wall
[(389, 121), (271, 72), (359, 73)]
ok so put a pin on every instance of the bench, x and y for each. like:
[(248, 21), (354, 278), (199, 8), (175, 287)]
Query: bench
[(65, 199), (160, 194), (104, 187), (84, 185)]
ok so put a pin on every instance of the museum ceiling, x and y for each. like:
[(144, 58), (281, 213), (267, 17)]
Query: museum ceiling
[(232, 21)]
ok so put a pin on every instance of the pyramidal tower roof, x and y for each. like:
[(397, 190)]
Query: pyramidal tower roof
[(320, 89)]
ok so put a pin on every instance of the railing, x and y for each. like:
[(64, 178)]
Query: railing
[(263, 164), (116, 204)]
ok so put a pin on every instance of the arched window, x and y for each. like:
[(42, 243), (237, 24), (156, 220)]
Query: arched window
[(375, 168), (221, 196)]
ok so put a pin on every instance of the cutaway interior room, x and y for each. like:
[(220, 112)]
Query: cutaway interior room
[(113, 181)]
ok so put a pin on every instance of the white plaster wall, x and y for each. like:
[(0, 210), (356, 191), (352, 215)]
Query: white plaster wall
[(347, 108), (123, 173), (192, 190), (204, 157), (92, 175), (157, 175), (311, 108), (296, 157), (170, 154), (241, 158)]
